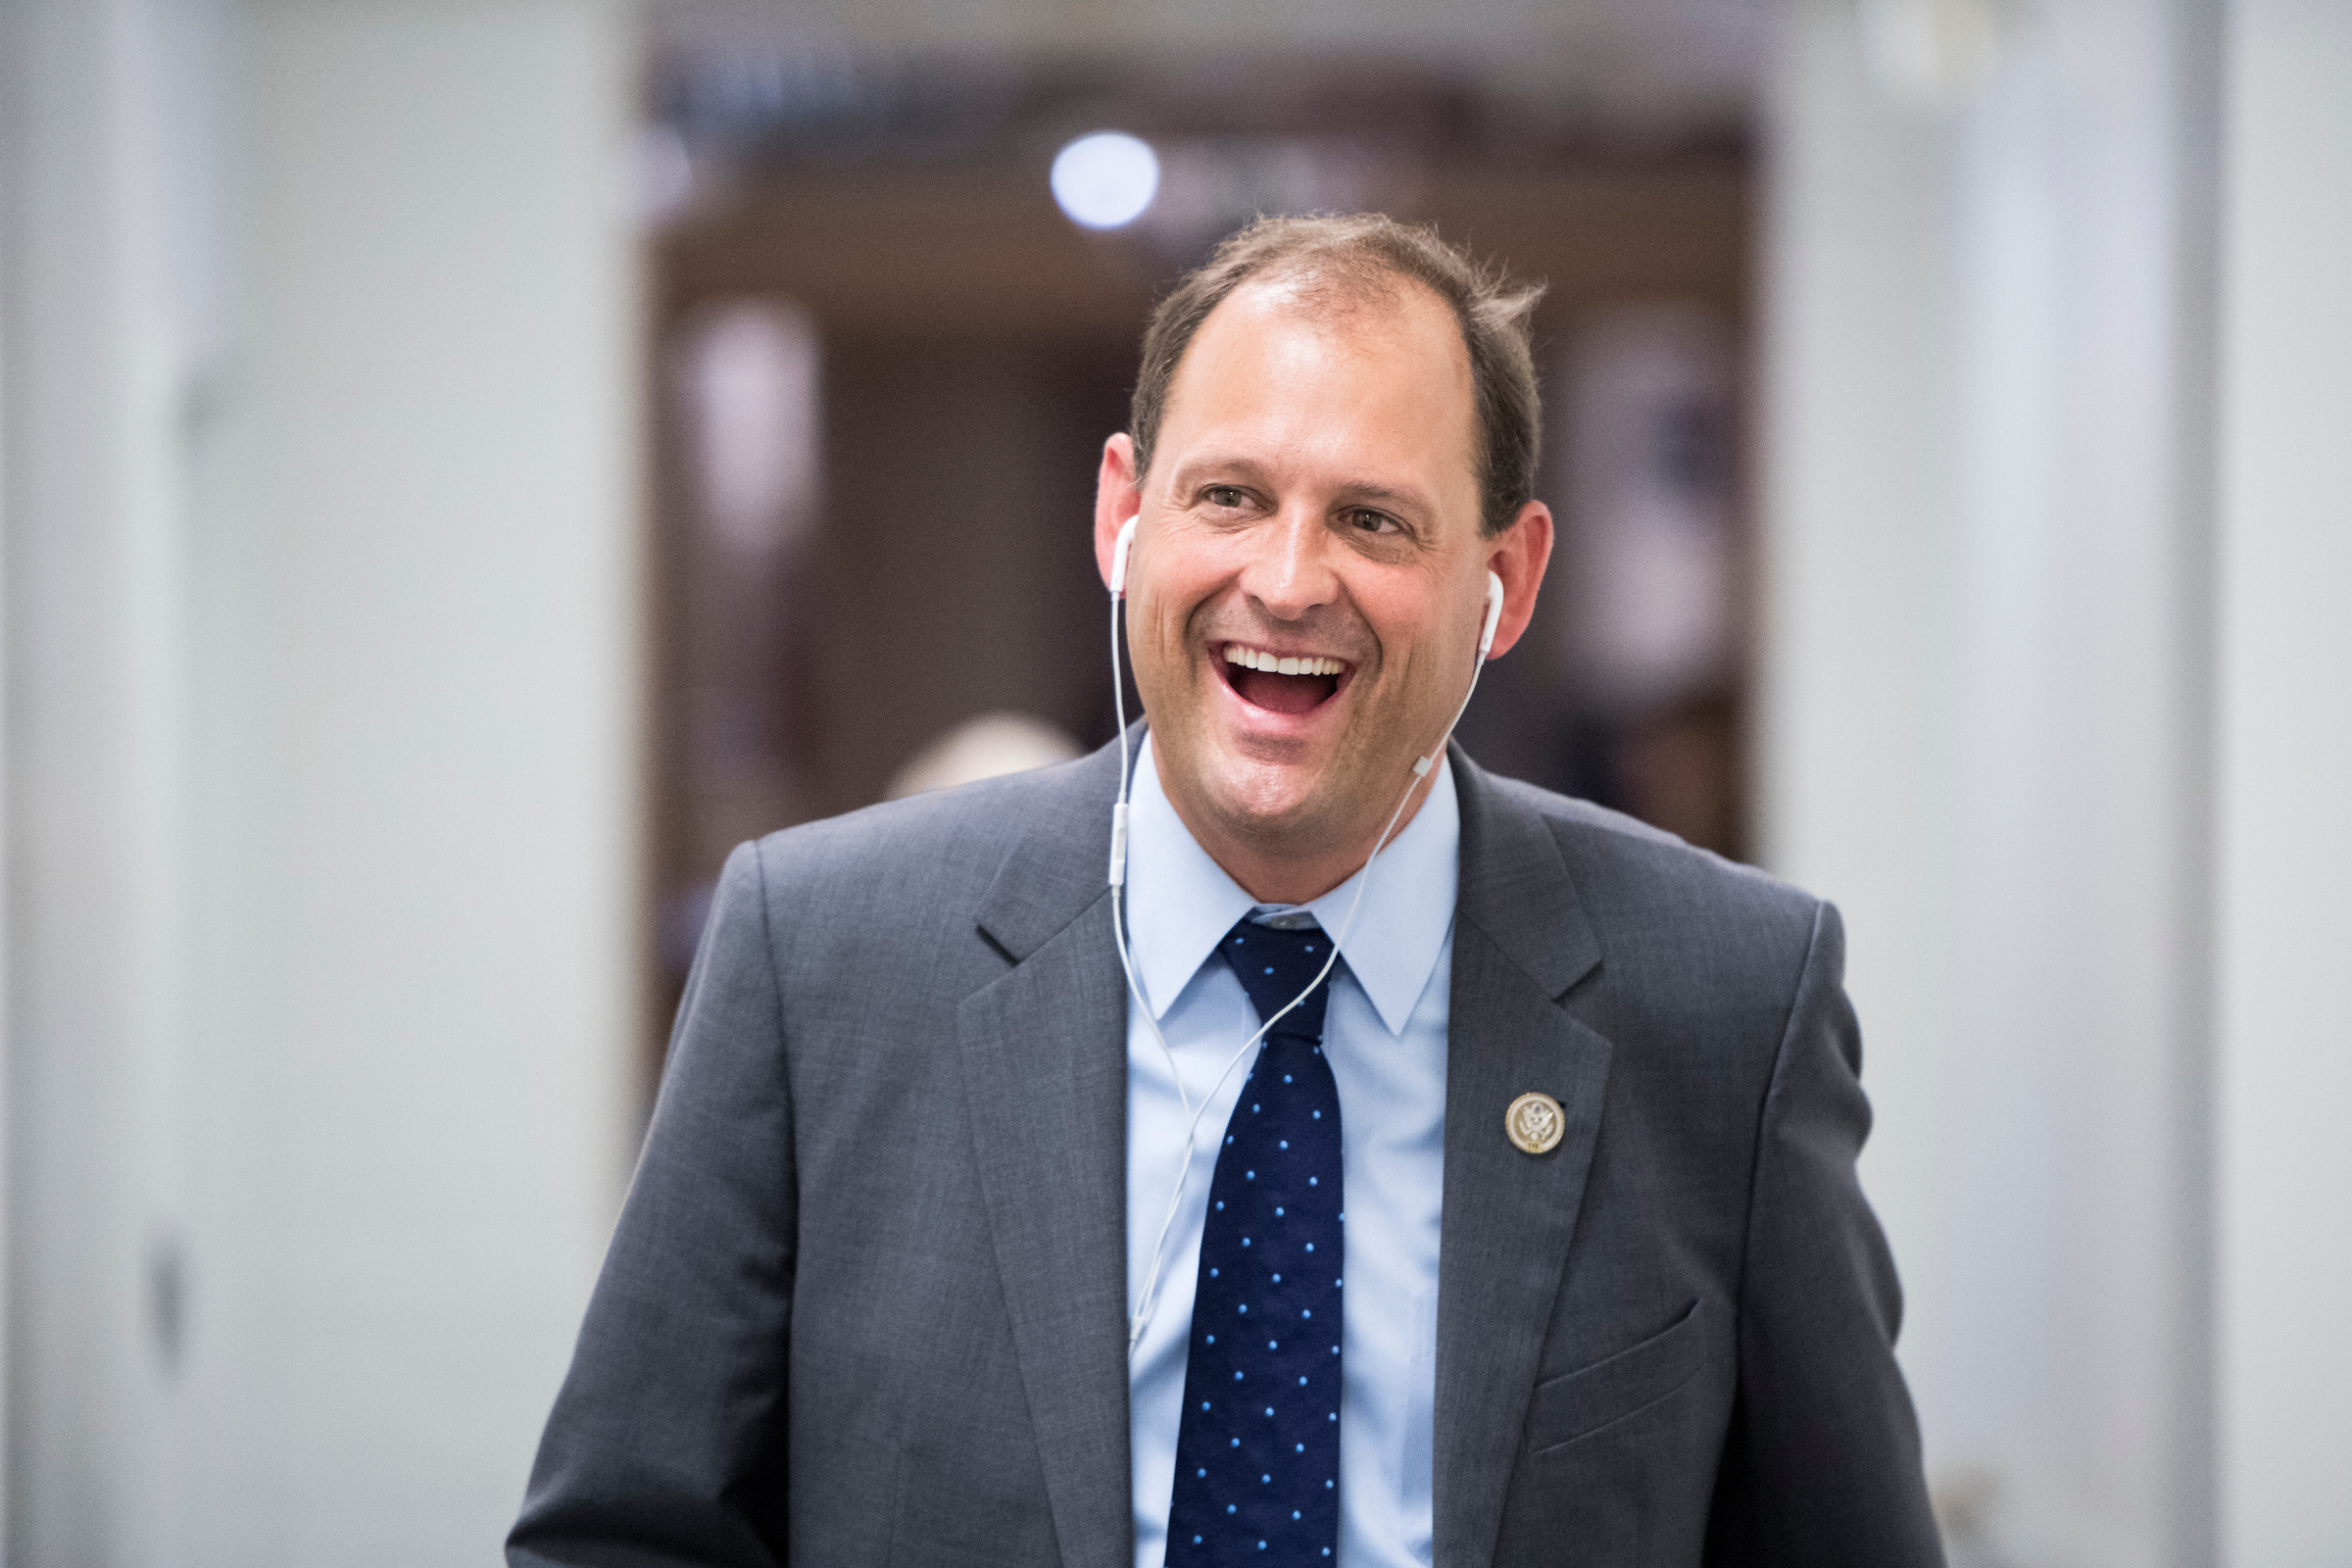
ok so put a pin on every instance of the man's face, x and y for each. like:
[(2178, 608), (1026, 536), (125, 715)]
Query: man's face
[(1308, 577)]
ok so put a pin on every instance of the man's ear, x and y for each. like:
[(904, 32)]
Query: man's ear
[(1118, 494), (1518, 555)]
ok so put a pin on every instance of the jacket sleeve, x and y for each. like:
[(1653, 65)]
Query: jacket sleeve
[(666, 1441), (1822, 1465)]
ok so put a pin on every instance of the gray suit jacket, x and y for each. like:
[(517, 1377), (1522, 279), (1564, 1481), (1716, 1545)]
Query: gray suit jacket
[(866, 1301)]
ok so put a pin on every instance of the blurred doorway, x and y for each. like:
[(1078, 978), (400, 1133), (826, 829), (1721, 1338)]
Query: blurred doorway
[(885, 359)]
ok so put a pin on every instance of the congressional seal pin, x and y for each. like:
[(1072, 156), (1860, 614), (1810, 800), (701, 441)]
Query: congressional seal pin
[(1535, 1123)]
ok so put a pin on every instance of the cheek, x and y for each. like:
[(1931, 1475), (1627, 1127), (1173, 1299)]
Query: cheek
[(1168, 606), (1409, 635), (1426, 662), (1164, 624), (1157, 642)]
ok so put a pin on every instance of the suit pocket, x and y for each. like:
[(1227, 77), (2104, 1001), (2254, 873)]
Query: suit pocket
[(1578, 1404)]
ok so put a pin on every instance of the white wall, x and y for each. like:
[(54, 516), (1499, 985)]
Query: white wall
[(1983, 732), (106, 308), (320, 595), (2285, 568), (2062, 718)]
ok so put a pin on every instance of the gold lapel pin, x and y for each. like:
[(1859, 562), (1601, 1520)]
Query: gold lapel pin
[(1535, 1123)]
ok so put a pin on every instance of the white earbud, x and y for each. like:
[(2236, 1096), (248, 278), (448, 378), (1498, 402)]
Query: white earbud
[(1118, 565), (1486, 638)]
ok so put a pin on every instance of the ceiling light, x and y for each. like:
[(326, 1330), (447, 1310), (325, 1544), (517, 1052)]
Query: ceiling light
[(1106, 180)]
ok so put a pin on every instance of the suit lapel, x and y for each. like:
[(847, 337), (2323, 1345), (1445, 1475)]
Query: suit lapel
[(1521, 941), (1044, 1070), (1045, 1074)]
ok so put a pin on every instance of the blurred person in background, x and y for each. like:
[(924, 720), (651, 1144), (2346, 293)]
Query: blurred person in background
[(988, 746), (976, 1226)]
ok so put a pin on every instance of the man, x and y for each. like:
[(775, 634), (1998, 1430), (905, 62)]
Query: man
[(947, 1237)]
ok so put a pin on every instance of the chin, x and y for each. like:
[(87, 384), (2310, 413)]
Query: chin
[(1267, 800)]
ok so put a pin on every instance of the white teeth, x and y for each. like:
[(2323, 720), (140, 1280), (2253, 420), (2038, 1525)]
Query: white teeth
[(1307, 664)]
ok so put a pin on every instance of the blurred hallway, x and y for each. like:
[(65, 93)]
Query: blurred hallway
[(463, 467)]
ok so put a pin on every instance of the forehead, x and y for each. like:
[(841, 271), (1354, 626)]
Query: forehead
[(1335, 354), (1384, 316)]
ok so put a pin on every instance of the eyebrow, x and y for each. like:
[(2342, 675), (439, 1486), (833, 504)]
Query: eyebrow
[(1396, 497), (1197, 472)]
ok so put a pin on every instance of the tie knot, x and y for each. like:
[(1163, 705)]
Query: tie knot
[(1274, 964)]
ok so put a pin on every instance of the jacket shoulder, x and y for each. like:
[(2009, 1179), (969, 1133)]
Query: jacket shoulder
[(1655, 899), (937, 853)]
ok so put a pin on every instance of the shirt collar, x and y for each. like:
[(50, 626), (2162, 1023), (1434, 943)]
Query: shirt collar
[(1180, 902)]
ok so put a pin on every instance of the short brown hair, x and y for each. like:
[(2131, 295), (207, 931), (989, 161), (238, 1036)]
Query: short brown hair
[(1359, 254)]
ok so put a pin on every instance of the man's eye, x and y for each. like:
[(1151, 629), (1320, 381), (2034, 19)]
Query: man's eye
[(1222, 495), (1369, 521)]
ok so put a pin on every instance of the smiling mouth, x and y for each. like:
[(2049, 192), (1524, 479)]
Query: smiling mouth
[(1281, 683)]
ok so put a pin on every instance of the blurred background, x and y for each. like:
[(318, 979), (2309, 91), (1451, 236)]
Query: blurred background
[(464, 466)]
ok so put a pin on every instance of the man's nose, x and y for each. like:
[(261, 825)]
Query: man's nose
[(1290, 573)]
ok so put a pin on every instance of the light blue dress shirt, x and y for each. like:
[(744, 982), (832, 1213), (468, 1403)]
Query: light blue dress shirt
[(1384, 1034)]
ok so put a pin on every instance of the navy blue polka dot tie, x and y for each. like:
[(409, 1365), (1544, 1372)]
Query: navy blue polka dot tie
[(1257, 1454)]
